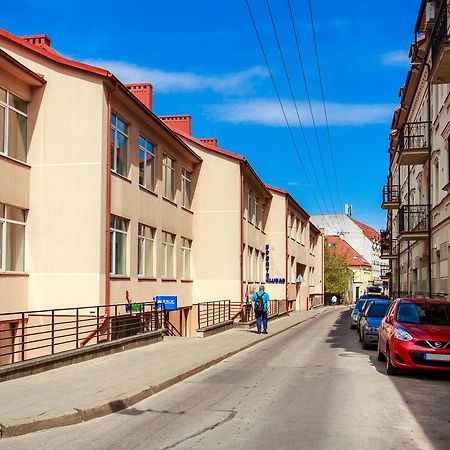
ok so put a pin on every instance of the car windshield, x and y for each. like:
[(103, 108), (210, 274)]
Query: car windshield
[(424, 313), (366, 304), (377, 310)]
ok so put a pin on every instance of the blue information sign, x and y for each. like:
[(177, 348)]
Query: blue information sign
[(169, 302)]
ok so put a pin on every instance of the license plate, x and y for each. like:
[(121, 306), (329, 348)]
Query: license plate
[(436, 357)]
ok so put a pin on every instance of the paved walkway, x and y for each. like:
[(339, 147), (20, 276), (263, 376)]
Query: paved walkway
[(94, 388)]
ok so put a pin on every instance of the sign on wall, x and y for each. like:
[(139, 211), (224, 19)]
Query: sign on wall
[(268, 277), (169, 302)]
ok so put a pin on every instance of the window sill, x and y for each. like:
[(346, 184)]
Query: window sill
[(14, 274), (15, 161), (169, 201), (170, 280), (148, 191), (122, 177), (187, 281), (142, 278), (187, 210), (118, 277)]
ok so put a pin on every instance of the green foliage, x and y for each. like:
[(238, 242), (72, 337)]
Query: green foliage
[(337, 273)]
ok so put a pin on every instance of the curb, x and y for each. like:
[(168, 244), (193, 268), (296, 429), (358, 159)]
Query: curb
[(83, 415)]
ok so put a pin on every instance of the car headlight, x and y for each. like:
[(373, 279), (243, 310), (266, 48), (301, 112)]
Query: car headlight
[(402, 335), (355, 316)]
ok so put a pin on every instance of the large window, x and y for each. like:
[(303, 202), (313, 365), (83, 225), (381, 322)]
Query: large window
[(146, 251), (12, 239), (258, 212), (168, 244), (118, 248), (146, 164), (186, 188), (119, 146), (186, 246), (169, 177), (13, 125), (249, 264), (250, 206)]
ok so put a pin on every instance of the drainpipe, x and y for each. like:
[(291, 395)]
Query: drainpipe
[(241, 219), (408, 281), (430, 289), (287, 248)]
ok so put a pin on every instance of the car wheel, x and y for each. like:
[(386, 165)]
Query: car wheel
[(365, 345), (381, 356), (390, 369)]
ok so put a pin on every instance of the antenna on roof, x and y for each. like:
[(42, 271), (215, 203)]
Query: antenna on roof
[(348, 210)]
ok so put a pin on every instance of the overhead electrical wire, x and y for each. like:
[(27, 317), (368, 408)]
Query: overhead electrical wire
[(283, 109), (286, 71), (319, 71)]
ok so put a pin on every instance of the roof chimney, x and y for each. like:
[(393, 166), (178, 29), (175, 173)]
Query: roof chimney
[(178, 123), (41, 40), (209, 141), (143, 92)]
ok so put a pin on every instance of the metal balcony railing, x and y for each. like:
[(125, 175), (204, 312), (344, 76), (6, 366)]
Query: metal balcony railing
[(440, 31), (413, 218), (389, 248), (391, 194), (385, 271), (414, 136)]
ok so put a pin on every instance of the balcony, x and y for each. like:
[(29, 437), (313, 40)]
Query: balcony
[(440, 48), (413, 143), (389, 247), (385, 272), (413, 222), (391, 197)]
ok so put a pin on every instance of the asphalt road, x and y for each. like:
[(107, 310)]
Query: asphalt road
[(312, 387)]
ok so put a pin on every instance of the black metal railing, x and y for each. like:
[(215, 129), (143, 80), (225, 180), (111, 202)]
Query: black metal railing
[(391, 194), (389, 247), (213, 313), (33, 334), (440, 31), (414, 135), (246, 312), (413, 218)]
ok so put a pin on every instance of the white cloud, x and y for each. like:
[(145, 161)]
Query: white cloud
[(397, 58), (268, 112), (164, 81), (293, 183)]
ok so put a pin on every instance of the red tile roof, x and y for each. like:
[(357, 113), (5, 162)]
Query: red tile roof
[(369, 232), (341, 247)]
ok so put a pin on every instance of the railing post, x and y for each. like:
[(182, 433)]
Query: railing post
[(229, 309), (115, 320), (53, 331), (198, 314), (23, 337), (98, 322), (77, 324)]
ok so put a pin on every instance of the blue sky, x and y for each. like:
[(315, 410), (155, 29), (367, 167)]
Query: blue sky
[(203, 58)]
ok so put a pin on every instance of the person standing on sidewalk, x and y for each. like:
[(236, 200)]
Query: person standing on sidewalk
[(260, 301)]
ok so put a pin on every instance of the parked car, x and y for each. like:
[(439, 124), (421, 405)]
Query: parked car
[(355, 312), (370, 321), (367, 299), (415, 334)]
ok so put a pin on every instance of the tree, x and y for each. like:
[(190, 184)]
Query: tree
[(337, 272)]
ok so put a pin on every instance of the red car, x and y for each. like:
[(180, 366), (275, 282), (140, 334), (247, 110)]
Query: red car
[(415, 334)]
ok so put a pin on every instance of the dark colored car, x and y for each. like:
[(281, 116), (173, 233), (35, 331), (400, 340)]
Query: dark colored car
[(370, 321), (355, 312), (415, 334)]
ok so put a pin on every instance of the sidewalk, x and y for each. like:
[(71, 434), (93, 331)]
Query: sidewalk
[(98, 387)]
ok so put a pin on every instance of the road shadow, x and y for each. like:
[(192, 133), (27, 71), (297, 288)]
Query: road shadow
[(426, 393)]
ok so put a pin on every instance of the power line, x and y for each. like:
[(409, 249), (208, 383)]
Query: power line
[(319, 71), (295, 102), (299, 54), (281, 106)]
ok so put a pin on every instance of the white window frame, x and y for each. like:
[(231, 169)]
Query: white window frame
[(166, 169), (186, 253), (166, 262), (115, 129), (186, 188), (249, 263), (148, 153), (113, 236), (249, 206), (7, 106), (4, 221), (142, 239)]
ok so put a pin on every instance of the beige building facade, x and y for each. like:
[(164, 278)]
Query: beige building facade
[(102, 202), (416, 240)]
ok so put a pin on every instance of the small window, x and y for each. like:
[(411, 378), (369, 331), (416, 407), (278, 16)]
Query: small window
[(147, 176), (12, 239), (146, 250), (168, 246), (119, 146), (186, 188), (186, 245), (169, 177), (250, 206), (13, 126), (118, 245)]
